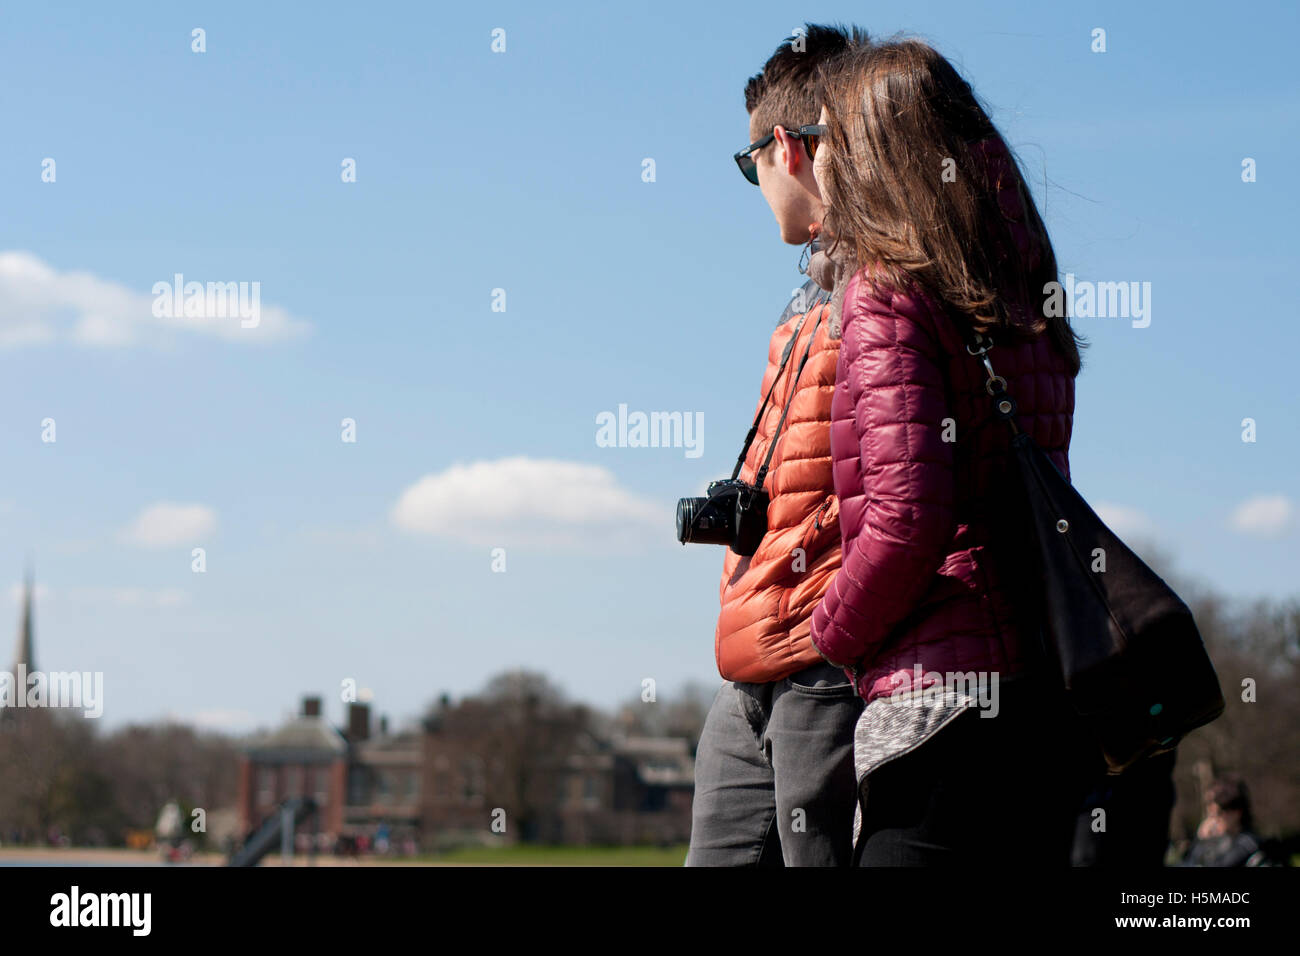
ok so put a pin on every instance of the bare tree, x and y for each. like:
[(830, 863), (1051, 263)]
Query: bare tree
[(681, 714), (528, 731)]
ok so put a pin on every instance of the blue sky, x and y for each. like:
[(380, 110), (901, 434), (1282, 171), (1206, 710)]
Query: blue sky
[(522, 171)]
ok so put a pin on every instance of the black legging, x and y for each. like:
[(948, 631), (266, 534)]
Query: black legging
[(1000, 791), (1138, 806)]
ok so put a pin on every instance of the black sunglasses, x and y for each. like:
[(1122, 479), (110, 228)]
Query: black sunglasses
[(809, 135)]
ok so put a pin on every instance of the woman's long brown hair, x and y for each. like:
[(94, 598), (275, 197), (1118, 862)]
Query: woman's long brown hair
[(920, 184)]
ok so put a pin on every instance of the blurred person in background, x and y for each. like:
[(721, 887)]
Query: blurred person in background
[(1226, 836)]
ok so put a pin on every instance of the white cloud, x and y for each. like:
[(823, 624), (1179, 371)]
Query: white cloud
[(40, 305), (1264, 516), (1124, 521), (165, 525), (529, 501)]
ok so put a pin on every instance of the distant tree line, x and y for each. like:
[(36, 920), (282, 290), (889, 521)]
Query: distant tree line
[(61, 778)]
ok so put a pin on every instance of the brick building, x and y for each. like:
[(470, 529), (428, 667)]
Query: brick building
[(305, 757), (385, 792), (439, 785), (600, 790)]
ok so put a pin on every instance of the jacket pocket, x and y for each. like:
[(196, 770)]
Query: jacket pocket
[(825, 522), (818, 527), (828, 513)]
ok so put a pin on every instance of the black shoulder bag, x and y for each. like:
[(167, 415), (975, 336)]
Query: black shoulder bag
[(1125, 646)]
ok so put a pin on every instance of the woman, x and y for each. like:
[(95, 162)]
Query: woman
[(961, 751), (1226, 836)]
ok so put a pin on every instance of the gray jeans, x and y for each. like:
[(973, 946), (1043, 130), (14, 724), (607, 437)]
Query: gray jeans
[(774, 780)]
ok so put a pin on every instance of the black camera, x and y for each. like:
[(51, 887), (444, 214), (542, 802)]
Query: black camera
[(734, 513)]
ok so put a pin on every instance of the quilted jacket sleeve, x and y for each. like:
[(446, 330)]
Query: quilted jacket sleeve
[(893, 364)]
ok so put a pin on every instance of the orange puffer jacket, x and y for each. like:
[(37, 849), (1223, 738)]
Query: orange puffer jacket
[(768, 598)]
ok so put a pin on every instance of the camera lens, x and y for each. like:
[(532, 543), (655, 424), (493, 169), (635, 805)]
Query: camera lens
[(687, 508), (706, 520)]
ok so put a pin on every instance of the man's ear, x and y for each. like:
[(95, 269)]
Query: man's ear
[(789, 154)]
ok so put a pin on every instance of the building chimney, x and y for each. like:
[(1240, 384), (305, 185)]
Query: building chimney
[(311, 706), (358, 722)]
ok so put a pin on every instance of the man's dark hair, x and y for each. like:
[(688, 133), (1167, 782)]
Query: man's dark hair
[(787, 92)]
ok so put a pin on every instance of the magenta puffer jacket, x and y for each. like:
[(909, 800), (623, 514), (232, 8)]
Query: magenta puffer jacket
[(919, 584)]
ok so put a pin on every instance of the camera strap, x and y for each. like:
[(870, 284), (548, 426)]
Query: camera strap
[(753, 429), (794, 387)]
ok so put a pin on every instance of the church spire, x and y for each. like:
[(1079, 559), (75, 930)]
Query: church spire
[(24, 653)]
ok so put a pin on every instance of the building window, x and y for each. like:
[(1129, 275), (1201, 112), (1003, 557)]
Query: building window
[(356, 786), (472, 769), (442, 778), (265, 786), (412, 794), (293, 782), (322, 786)]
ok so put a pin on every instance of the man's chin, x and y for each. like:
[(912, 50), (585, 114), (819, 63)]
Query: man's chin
[(793, 236)]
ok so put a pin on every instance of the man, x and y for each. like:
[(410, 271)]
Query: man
[(774, 780)]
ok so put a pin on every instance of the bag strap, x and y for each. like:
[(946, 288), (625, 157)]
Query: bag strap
[(1004, 406), (794, 387)]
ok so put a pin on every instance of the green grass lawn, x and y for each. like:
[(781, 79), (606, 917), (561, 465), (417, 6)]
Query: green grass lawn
[(530, 855)]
